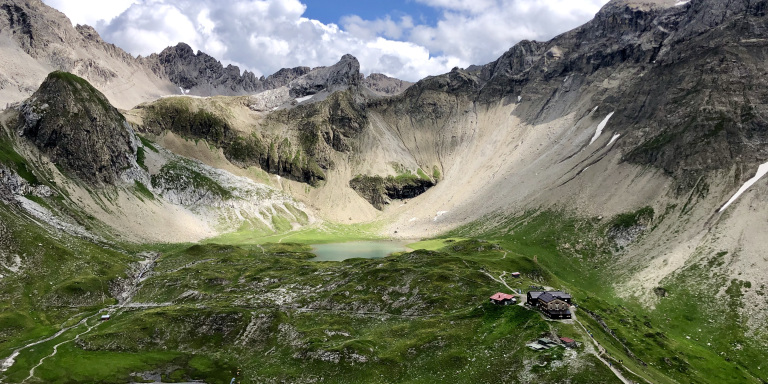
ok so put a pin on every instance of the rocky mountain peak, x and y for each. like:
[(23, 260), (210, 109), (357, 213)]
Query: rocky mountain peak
[(78, 129), (88, 32), (643, 5), (344, 74), (384, 85)]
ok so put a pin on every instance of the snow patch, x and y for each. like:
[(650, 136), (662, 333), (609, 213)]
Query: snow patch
[(184, 91), (303, 99), (595, 109), (762, 170), (440, 213), (412, 219), (613, 139), (600, 127), (679, 3), (519, 98)]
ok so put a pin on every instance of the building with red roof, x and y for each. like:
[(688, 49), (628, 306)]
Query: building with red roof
[(568, 342), (503, 299)]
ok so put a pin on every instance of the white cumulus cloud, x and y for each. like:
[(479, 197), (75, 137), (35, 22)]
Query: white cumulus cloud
[(90, 11), (266, 35)]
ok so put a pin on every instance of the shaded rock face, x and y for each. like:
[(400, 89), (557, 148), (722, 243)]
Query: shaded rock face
[(74, 124), (283, 77), (20, 25), (340, 76), (380, 191), (203, 73), (686, 82), (385, 85)]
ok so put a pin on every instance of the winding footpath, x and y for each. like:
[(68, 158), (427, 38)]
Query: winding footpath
[(500, 280), (601, 351), (124, 300), (9, 361), (56, 349)]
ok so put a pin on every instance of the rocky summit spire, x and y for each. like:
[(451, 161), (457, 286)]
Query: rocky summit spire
[(76, 126)]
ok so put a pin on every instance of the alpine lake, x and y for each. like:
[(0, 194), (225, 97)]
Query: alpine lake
[(357, 249)]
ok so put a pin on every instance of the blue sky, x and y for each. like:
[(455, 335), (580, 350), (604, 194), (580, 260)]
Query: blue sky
[(408, 39), (332, 11)]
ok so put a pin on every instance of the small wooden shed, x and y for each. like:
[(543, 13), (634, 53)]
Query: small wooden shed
[(568, 342)]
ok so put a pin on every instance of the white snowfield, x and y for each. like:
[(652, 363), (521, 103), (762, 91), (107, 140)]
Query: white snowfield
[(600, 127), (303, 99), (762, 170), (613, 139)]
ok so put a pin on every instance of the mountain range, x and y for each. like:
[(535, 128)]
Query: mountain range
[(622, 160)]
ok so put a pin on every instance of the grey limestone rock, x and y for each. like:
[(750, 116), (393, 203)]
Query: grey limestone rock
[(74, 124)]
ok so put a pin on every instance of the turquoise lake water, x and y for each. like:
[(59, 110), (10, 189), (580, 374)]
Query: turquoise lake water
[(361, 249)]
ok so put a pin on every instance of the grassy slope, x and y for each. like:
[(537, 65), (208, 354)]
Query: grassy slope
[(61, 278), (418, 317), (690, 336), (404, 337)]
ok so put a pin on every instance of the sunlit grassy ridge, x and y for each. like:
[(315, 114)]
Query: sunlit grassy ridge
[(264, 308), (259, 305), (316, 234), (690, 336)]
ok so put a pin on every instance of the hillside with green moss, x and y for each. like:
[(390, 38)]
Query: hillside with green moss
[(622, 162)]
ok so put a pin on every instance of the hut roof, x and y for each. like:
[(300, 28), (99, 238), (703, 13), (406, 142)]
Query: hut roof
[(502, 296)]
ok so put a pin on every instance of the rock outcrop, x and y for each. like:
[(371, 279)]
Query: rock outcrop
[(72, 123), (380, 191), (37, 39), (201, 74), (384, 85), (340, 76)]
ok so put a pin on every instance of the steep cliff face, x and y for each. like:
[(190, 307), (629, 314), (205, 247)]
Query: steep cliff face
[(74, 124), (380, 191), (684, 80), (201, 74), (307, 121), (384, 85), (37, 40)]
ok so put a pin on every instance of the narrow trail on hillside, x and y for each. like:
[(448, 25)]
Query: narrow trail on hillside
[(600, 351), (56, 349), (8, 362), (500, 280), (142, 273)]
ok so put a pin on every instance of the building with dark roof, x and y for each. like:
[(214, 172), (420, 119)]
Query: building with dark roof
[(554, 304), (532, 298)]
